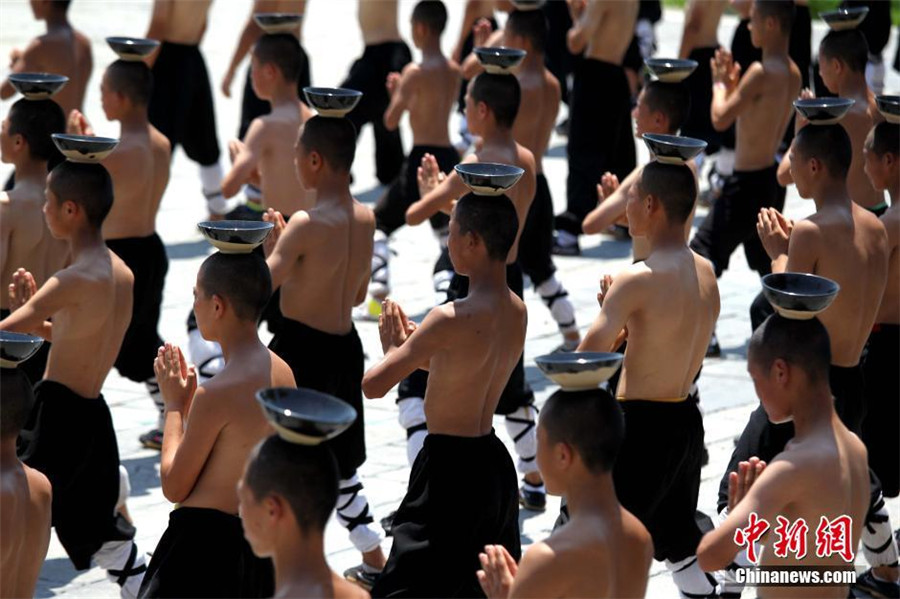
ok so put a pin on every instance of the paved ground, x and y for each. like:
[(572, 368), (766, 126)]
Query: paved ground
[(332, 40)]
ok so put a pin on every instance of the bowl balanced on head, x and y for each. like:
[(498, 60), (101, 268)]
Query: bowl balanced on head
[(673, 149), (37, 86), (845, 18), (670, 70), (332, 101), (305, 416), (889, 107), (132, 49), (799, 296), (823, 111), (88, 149), (15, 348), (500, 60), (278, 22), (235, 236), (488, 178), (579, 371)]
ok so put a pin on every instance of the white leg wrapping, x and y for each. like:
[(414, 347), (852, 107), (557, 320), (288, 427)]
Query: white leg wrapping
[(726, 578), (441, 286), (875, 74), (211, 179), (879, 544), (380, 281), (411, 414), (124, 487), (156, 396), (354, 515), (646, 38), (520, 425), (124, 565), (725, 162), (206, 355), (556, 298), (690, 579)]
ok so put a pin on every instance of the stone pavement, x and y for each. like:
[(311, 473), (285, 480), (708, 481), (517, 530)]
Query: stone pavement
[(332, 40)]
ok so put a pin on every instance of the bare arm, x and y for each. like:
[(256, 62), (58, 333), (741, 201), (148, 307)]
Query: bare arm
[(6, 232), (728, 102), (400, 96), (31, 316), (249, 35), (693, 21), (583, 25), (288, 249), (618, 305), (246, 161), (159, 25), (471, 14), (471, 67), (438, 199), (26, 62), (612, 208)]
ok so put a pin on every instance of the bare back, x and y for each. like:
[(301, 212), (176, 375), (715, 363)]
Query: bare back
[(851, 249), (28, 243), (434, 87), (378, 21), (88, 330), (858, 122), (701, 25), (185, 22), (139, 168), (538, 108), (482, 339), (231, 393), (277, 131), (612, 30), (889, 312), (676, 304), (765, 115), (25, 498), (326, 282)]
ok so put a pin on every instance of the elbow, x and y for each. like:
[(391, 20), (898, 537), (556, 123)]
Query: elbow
[(172, 492), (370, 387), (718, 123), (784, 177), (415, 215), (706, 558), (390, 123)]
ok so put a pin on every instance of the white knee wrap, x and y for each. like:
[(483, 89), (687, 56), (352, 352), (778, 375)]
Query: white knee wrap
[(690, 579), (726, 578), (354, 515), (441, 280), (124, 487), (520, 425), (879, 545), (411, 414), (124, 565), (206, 355), (380, 280), (556, 298)]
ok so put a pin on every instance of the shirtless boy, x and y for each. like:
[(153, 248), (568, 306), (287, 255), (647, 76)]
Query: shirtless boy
[(789, 362), (321, 262), (25, 495), (181, 105), (25, 240), (62, 50), (287, 494), (539, 106), (492, 105), (385, 53), (268, 146), (210, 431), (139, 168), (90, 303), (600, 137), (760, 102), (427, 90), (699, 41), (842, 66), (462, 488), (847, 244), (664, 428), (603, 550)]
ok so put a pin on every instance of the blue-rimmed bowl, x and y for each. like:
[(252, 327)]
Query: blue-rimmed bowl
[(305, 416)]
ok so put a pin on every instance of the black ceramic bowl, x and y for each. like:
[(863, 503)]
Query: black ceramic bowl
[(15, 348), (889, 107), (799, 295), (498, 61), (278, 22), (673, 149), (845, 18), (487, 178), (84, 148), (579, 370), (528, 4), (132, 48), (305, 416), (332, 101), (38, 86), (235, 236), (670, 70), (823, 111)]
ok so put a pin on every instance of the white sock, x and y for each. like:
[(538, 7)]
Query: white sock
[(354, 515), (521, 427), (380, 281), (124, 565), (690, 579), (556, 298), (411, 414)]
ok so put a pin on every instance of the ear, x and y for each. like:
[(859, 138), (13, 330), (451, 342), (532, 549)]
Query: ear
[(482, 109), (781, 371), (564, 455), (70, 208), (218, 305), (273, 508)]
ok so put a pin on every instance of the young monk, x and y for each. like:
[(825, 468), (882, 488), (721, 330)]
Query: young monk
[(25, 240), (62, 50), (848, 245), (181, 105), (267, 150), (789, 362), (139, 168), (427, 90), (252, 106), (287, 494), (664, 428), (462, 488), (385, 53), (90, 303), (600, 137), (699, 41), (321, 261), (25, 495), (539, 106), (492, 106), (603, 550), (209, 433), (842, 66), (760, 102)]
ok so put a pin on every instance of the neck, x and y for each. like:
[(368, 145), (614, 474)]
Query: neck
[(333, 188), (776, 48), (431, 48), (894, 193), (489, 278), (497, 136), (815, 410), (853, 85), (299, 560), (533, 60), (134, 119), (31, 172), (591, 494), (57, 20), (239, 337), (833, 192), (85, 239), (8, 458), (667, 237), (285, 95)]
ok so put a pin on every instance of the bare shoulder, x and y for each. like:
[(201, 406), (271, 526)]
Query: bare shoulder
[(160, 143), (411, 71), (526, 157), (636, 535), (891, 222), (363, 214), (39, 487), (348, 590), (282, 375), (82, 40), (121, 273), (552, 86)]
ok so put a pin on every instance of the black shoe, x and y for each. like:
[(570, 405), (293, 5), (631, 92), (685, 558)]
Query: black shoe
[(387, 523), (867, 583), (359, 576), (565, 250), (535, 501), (713, 350), (152, 439)]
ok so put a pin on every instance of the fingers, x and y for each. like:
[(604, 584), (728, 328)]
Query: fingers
[(732, 490)]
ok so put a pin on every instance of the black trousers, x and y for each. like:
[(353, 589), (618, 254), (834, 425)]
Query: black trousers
[(882, 399), (699, 123), (536, 242)]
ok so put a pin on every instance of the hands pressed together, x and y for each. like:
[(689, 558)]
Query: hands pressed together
[(177, 381), (774, 230), (739, 482), (394, 326), (724, 70), (498, 571)]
